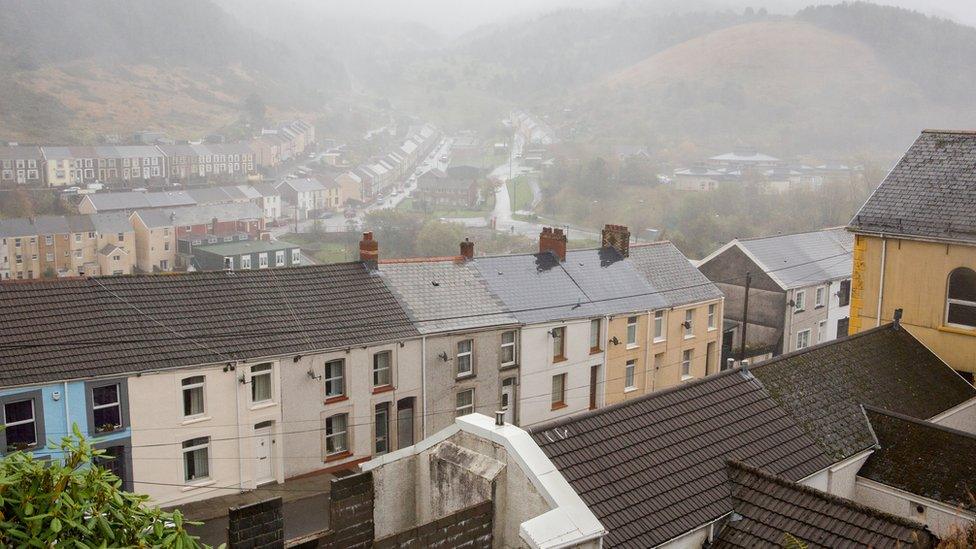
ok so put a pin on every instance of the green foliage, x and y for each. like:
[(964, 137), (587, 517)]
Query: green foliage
[(48, 504), (438, 239)]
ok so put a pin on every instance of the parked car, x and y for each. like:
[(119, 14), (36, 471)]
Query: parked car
[(350, 213)]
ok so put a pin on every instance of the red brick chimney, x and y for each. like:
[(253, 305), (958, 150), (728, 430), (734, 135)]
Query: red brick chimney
[(616, 237), (553, 240), (467, 249), (369, 251)]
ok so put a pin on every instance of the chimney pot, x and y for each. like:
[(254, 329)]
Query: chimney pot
[(745, 365), (500, 418), (730, 363), (553, 241), (896, 321), (467, 249), (369, 251)]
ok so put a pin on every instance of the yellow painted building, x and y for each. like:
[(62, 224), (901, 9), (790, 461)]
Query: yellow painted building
[(915, 248)]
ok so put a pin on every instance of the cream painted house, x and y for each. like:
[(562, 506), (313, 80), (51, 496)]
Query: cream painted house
[(155, 235)]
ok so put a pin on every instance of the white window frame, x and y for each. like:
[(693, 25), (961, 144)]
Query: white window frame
[(819, 296), (263, 261), (296, 257), (245, 261), (184, 387), (332, 434), (32, 420), (562, 392), (689, 330), (632, 324), (388, 369), (687, 357), (712, 308), (333, 378), (116, 404), (265, 369), (511, 345), (595, 327), (280, 258), (463, 409), (806, 338), (205, 446), (465, 357), (950, 301), (630, 375), (562, 343), (821, 331), (660, 327), (799, 301)]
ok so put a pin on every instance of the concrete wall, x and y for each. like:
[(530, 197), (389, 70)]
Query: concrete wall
[(940, 518), (229, 419), (305, 411), (443, 384), (916, 280), (538, 369)]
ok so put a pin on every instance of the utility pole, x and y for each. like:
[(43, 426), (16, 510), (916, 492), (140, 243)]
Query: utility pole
[(745, 317)]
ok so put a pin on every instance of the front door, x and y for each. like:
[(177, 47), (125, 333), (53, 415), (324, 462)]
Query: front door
[(381, 440), (263, 470), (594, 383), (508, 399), (405, 422)]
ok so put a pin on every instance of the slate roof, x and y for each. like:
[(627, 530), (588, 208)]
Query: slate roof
[(76, 328), (195, 215), (923, 458), (303, 185), (769, 507), (212, 195), (824, 386), (654, 468), (111, 222), (930, 193), (41, 225), (445, 295), (668, 270), (803, 259), (245, 247), (20, 152), (539, 288), (131, 200)]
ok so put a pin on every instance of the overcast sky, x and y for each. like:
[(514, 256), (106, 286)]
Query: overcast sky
[(453, 17)]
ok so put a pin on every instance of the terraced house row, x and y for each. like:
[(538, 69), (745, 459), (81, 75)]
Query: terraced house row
[(211, 382)]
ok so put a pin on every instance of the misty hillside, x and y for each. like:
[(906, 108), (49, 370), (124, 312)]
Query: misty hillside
[(77, 68)]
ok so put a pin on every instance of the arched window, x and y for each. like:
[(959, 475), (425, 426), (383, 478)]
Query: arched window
[(961, 298)]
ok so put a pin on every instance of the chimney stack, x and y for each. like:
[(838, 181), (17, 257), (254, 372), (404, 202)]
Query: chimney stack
[(369, 251), (467, 249), (896, 321), (554, 241), (500, 418), (616, 237)]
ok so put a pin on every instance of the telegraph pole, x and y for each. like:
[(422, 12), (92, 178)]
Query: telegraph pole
[(745, 317)]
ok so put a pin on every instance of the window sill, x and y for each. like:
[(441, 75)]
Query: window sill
[(957, 330), (336, 457), (463, 377), (556, 359), (692, 336), (595, 350), (629, 389), (197, 485), (660, 339), (687, 378), (333, 400), (508, 366), (632, 346), (798, 311), (558, 406), (263, 405), (818, 307), (383, 389), (712, 328), (193, 420)]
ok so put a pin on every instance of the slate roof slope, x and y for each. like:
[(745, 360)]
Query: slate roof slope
[(824, 386), (668, 270), (654, 468), (72, 328), (446, 295), (803, 259), (111, 222), (923, 458), (41, 225), (771, 507), (539, 288), (930, 193)]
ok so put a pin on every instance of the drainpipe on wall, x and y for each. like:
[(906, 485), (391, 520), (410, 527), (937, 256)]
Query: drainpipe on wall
[(238, 387), (605, 369), (67, 408), (423, 386), (884, 253), (647, 351)]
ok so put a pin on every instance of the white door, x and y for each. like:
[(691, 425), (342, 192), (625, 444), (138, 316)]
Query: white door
[(508, 399), (263, 470)]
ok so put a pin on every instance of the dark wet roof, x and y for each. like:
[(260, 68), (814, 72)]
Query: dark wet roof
[(824, 386), (930, 193), (76, 328), (923, 458), (769, 508), (654, 468), (539, 288)]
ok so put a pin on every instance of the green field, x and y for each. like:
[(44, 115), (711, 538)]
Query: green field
[(520, 193), (318, 249)]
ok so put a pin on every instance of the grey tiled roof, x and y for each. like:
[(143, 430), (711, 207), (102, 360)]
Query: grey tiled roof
[(444, 295), (112, 222), (41, 225), (769, 507), (132, 200), (803, 259), (75, 328), (654, 468), (668, 270), (213, 195), (930, 193), (824, 386), (539, 288), (923, 458)]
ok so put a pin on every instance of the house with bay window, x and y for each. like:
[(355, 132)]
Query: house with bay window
[(188, 390)]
